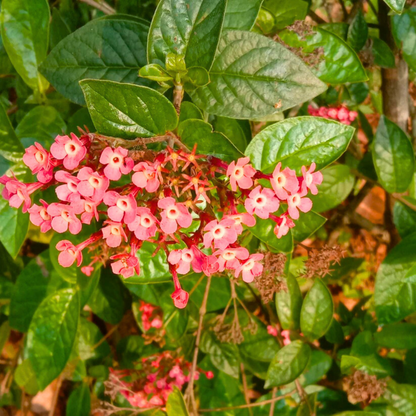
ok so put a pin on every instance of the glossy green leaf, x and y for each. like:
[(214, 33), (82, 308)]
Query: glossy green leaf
[(110, 49), (175, 406), (357, 413), (404, 32), (189, 111), (25, 33), (155, 73), (36, 281), (336, 186), (288, 364), (306, 225), (289, 304), (80, 118), (191, 29), (298, 142), (340, 63), (110, 299), (196, 77), (252, 76), (79, 401), (10, 146), (209, 142), (237, 131), (400, 335), (317, 311), (401, 396), (396, 5), (335, 334), (41, 124), (383, 56), (25, 377), (265, 22), (358, 32), (52, 333), (319, 364), (404, 219), (241, 14), (286, 12), (4, 333), (393, 156), (58, 29), (128, 111)]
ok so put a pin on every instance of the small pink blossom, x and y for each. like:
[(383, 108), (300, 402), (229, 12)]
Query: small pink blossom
[(87, 270), (69, 253), (283, 224), (241, 174), (297, 202), (271, 330), (352, 115), (126, 265), (144, 224), (311, 178), (286, 337), (146, 177), (69, 191), (180, 298), (39, 161), (40, 217), (113, 233), (284, 181), (222, 233), (117, 162), (209, 375), (343, 115), (229, 258), (173, 214), (210, 265), (156, 323), (261, 202), (87, 208), (69, 149), (18, 193), (92, 184), (250, 268), (184, 259), (63, 218), (243, 218), (122, 208)]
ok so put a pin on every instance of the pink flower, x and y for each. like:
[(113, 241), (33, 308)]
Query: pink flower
[(229, 258), (296, 202), (311, 178), (69, 149), (122, 208), (40, 217), (144, 224), (69, 253), (323, 112), (243, 218), (87, 209), (210, 265), (271, 330), (39, 161), (87, 270), (173, 214), (286, 337), (156, 323), (283, 224), (261, 202), (240, 174), (343, 114), (332, 113), (183, 259), (250, 268), (146, 177), (126, 265), (209, 375), (284, 181), (113, 233), (117, 162), (63, 217), (18, 193), (352, 115), (222, 233), (69, 191), (92, 184), (180, 298)]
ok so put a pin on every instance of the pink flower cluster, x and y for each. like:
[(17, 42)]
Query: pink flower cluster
[(193, 207), (285, 334), (157, 375), (340, 113)]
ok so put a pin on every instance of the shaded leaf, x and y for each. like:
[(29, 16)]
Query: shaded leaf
[(404, 219), (10, 146), (358, 31), (396, 5), (175, 406), (307, 224), (400, 335), (286, 12), (289, 304), (79, 401), (241, 14)]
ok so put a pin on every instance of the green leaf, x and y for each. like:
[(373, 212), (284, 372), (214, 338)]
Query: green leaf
[(25, 34), (110, 49), (189, 111), (319, 364), (289, 304), (195, 77), (59, 29), (337, 184), (400, 335), (286, 12), (52, 333), (41, 124), (307, 224), (401, 396), (383, 56), (175, 405), (252, 76), (404, 219), (358, 32), (288, 364), (317, 311), (224, 356), (404, 32), (36, 281), (237, 131), (128, 111), (25, 377), (110, 299), (265, 22), (298, 142), (335, 334), (357, 413), (393, 156), (155, 73), (10, 146), (209, 142), (340, 63), (241, 14), (4, 333), (191, 29), (396, 5), (79, 401)]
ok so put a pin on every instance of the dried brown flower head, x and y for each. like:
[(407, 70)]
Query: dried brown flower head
[(230, 333), (363, 388), (320, 261), (270, 281)]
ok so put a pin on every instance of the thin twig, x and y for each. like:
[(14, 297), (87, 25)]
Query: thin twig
[(404, 201), (56, 394), (304, 397), (245, 406), (100, 5), (372, 7), (274, 391), (245, 388), (344, 9), (104, 337)]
